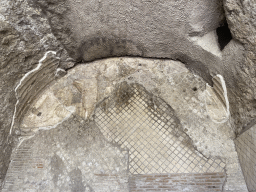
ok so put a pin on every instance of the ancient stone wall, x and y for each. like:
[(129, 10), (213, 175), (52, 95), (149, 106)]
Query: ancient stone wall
[(162, 118), (42, 39), (178, 182)]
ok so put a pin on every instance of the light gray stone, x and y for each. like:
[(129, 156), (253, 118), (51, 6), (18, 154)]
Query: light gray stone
[(96, 29), (24, 38), (241, 17)]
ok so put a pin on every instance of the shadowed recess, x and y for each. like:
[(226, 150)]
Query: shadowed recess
[(224, 35)]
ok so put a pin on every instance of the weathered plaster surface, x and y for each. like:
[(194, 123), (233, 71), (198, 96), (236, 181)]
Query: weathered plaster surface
[(185, 92), (96, 29), (67, 158)]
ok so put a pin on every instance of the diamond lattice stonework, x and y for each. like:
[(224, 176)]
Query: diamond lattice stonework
[(147, 126)]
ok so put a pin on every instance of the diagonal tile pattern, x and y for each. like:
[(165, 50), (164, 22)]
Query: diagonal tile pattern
[(246, 150), (149, 129)]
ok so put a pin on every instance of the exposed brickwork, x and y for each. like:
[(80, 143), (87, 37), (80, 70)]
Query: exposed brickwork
[(46, 162), (192, 182), (110, 182)]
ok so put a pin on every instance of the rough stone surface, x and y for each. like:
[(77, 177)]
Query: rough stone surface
[(241, 17), (25, 36), (179, 30), (96, 29)]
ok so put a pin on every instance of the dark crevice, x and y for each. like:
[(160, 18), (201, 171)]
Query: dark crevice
[(194, 89), (224, 35)]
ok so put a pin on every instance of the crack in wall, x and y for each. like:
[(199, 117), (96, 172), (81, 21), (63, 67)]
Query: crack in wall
[(225, 181)]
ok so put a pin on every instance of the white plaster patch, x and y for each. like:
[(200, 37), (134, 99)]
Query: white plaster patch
[(60, 122), (209, 42), (225, 93)]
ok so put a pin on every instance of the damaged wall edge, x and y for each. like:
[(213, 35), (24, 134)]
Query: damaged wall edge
[(27, 77)]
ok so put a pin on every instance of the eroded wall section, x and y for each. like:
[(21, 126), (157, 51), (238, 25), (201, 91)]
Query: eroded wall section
[(72, 157), (118, 123)]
